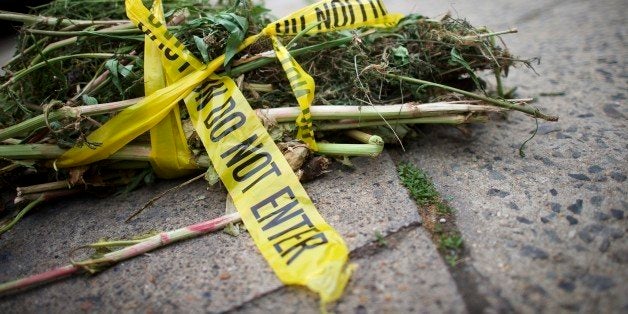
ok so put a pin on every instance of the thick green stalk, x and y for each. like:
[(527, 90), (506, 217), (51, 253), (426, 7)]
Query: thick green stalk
[(62, 113), (499, 103), (358, 150), (450, 120), (408, 110), (130, 31), (365, 138)]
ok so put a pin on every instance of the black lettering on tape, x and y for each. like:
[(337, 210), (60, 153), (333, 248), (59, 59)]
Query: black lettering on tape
[(374, 9), (304, 221), (282, 205), (183, 67), (343, 10), (280, 216), (241, 151), (154, 21), (233, 121), (294, 25), (302, 19), (227, 115), (323, 16), (208, 89), (351, 13), (170, 55), (249, 156), (297, 236), (381, 7), (301, 92), (363, 9), (307, 244), (168, 35), (274, 169), (335, 11), (283, 194), (242, 172)]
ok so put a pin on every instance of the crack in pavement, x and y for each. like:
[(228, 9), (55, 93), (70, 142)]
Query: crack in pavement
[(370, 249)]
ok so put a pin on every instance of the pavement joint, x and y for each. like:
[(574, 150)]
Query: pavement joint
[(367, 250)]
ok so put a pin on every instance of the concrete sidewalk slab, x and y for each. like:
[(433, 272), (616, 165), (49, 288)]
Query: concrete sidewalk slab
[(404, 276), (547, 232), (211, 273)]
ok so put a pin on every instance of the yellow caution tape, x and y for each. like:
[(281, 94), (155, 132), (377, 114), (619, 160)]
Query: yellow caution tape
[(295, 240), (303, 87), (139, 118), (282, 220), (170, 155), (335, 15)]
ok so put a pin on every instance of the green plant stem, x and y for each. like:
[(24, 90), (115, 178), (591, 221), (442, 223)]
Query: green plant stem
[(145, 246), (408, 110), (365, 138), (25, 51), (114, 243), (449, 120), (499, 81), (62, 113), (21, 214), (285, 114), (45, 187), (49, 151), (129, 31), (500, 103), (480, 36), (52, 21), (367, 150), (53, 46), (39, 121), (20, 74), (259, 61)]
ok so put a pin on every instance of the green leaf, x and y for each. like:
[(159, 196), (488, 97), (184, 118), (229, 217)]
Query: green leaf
[(126, 70), (457, 59), (112, 66), (401, 55), (236, 26), (89, 100), (202, 47)]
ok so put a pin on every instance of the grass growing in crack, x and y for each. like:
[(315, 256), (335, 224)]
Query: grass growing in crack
[(438, 216), (380, 239), (419, 184)]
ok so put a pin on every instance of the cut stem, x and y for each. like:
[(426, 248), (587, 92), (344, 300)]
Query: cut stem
[(147, 245), (65, 184), (365, 138), (358, 150)]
